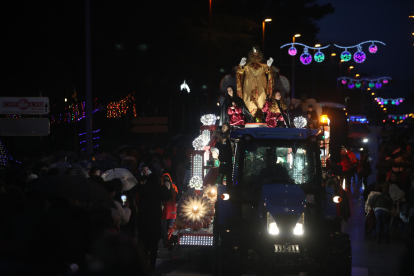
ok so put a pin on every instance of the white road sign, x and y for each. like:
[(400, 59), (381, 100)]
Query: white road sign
[(29, 105)]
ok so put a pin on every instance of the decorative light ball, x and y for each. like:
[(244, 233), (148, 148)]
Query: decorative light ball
[(319, 57), (200, 142), (358, 85), (210, 191), (195, 211), (351, 85), (378, 85), (386, 102), (392, 102), (373, 49), (359, 57), (384, 81), (378, 100), (346, 56), (292, 51), (208, 119), (343, 81), (401, 101), (397, 103), (306, 58), (381, 103), (371, 84), (300, 122)]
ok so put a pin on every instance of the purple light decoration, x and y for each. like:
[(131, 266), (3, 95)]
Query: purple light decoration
[(378, 85), (397, 103), (389, 116), (359, 57), (385, 81), (373, 49), (343, 81), (305, 58), (292, 51), (382, 103), (351, 85)]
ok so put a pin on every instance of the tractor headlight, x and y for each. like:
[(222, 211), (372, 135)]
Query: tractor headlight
[(365, 140), (271, 225), (298, 230)]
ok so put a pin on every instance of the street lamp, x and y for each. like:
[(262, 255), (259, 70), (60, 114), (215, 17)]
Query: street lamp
[(293, 68), (333, 54), (263, 24), (351, 67), (357, 75), (317, 45)]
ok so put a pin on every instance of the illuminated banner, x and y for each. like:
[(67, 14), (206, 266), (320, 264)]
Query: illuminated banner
[(29, 105)]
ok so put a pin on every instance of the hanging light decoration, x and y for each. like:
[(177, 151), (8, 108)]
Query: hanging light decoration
[(378, 85), (373, 48), (343, 81), (371, 84), (305, 58), (359, 56), (319, 56), (358, 85), (351, 85), (384, 81), (292, 51), (345, 55)]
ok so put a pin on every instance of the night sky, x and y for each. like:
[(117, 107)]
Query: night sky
[(355, 21)]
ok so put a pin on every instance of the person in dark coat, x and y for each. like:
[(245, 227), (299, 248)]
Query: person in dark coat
[(364, 169), (229, 99), (151, 194), (225, 157), (382, 207)]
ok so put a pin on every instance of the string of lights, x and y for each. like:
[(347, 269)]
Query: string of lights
[(357, 83), (5, 156), (306, 58), (117, 109), (95, 131), (383, 101), (72, 113), (359, 55)]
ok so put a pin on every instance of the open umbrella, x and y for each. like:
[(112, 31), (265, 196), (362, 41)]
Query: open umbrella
[(87, 164), (78, 170), (75, 188), (105, 165), (62, 166), (128, 180)]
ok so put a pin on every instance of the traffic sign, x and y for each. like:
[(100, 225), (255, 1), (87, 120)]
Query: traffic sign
[(29, 105)]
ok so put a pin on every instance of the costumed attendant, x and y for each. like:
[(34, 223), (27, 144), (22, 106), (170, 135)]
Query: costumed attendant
[(255, 81), (236, 115), (275, 109), (229, 99), (169, 213)]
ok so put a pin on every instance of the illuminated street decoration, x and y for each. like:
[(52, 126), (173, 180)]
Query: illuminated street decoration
[(196, 182), (346, 56), (306, 58), (359, 55), (195, 211), (208, 119), (358, 82), (5, 156), (118, 109), (396, 101), (319, 56), (292, 51), (299, 122)]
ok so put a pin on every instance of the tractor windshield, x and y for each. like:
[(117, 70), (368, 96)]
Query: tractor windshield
[(273, 161)]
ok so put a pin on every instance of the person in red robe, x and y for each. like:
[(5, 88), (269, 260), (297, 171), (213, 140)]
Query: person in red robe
[(236, 117), (169, 213), (275, 109)]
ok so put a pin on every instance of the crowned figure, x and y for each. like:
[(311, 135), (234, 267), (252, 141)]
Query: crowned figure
[(255, 81)]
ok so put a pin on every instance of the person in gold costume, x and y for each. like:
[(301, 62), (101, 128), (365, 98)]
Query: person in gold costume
[(255, 81)]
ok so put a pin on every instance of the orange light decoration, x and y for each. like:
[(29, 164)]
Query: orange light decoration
[(117, 109)]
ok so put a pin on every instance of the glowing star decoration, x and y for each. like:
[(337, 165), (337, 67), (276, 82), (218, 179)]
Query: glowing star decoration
[(196, 182), (358, 85), (208, 120), (299, 122), (195, 211), (384, 81), (343, 81), (292, 51), (346, 56), (373, 48), (371, 84), (210, 191), (319, 56), (185, 86), (378, 85), (305, 58)]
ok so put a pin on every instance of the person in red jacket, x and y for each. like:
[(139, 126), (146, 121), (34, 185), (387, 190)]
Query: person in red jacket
[(348, 163), (169, 213)]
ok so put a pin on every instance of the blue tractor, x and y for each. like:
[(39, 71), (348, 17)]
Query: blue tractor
[(276, 217)]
